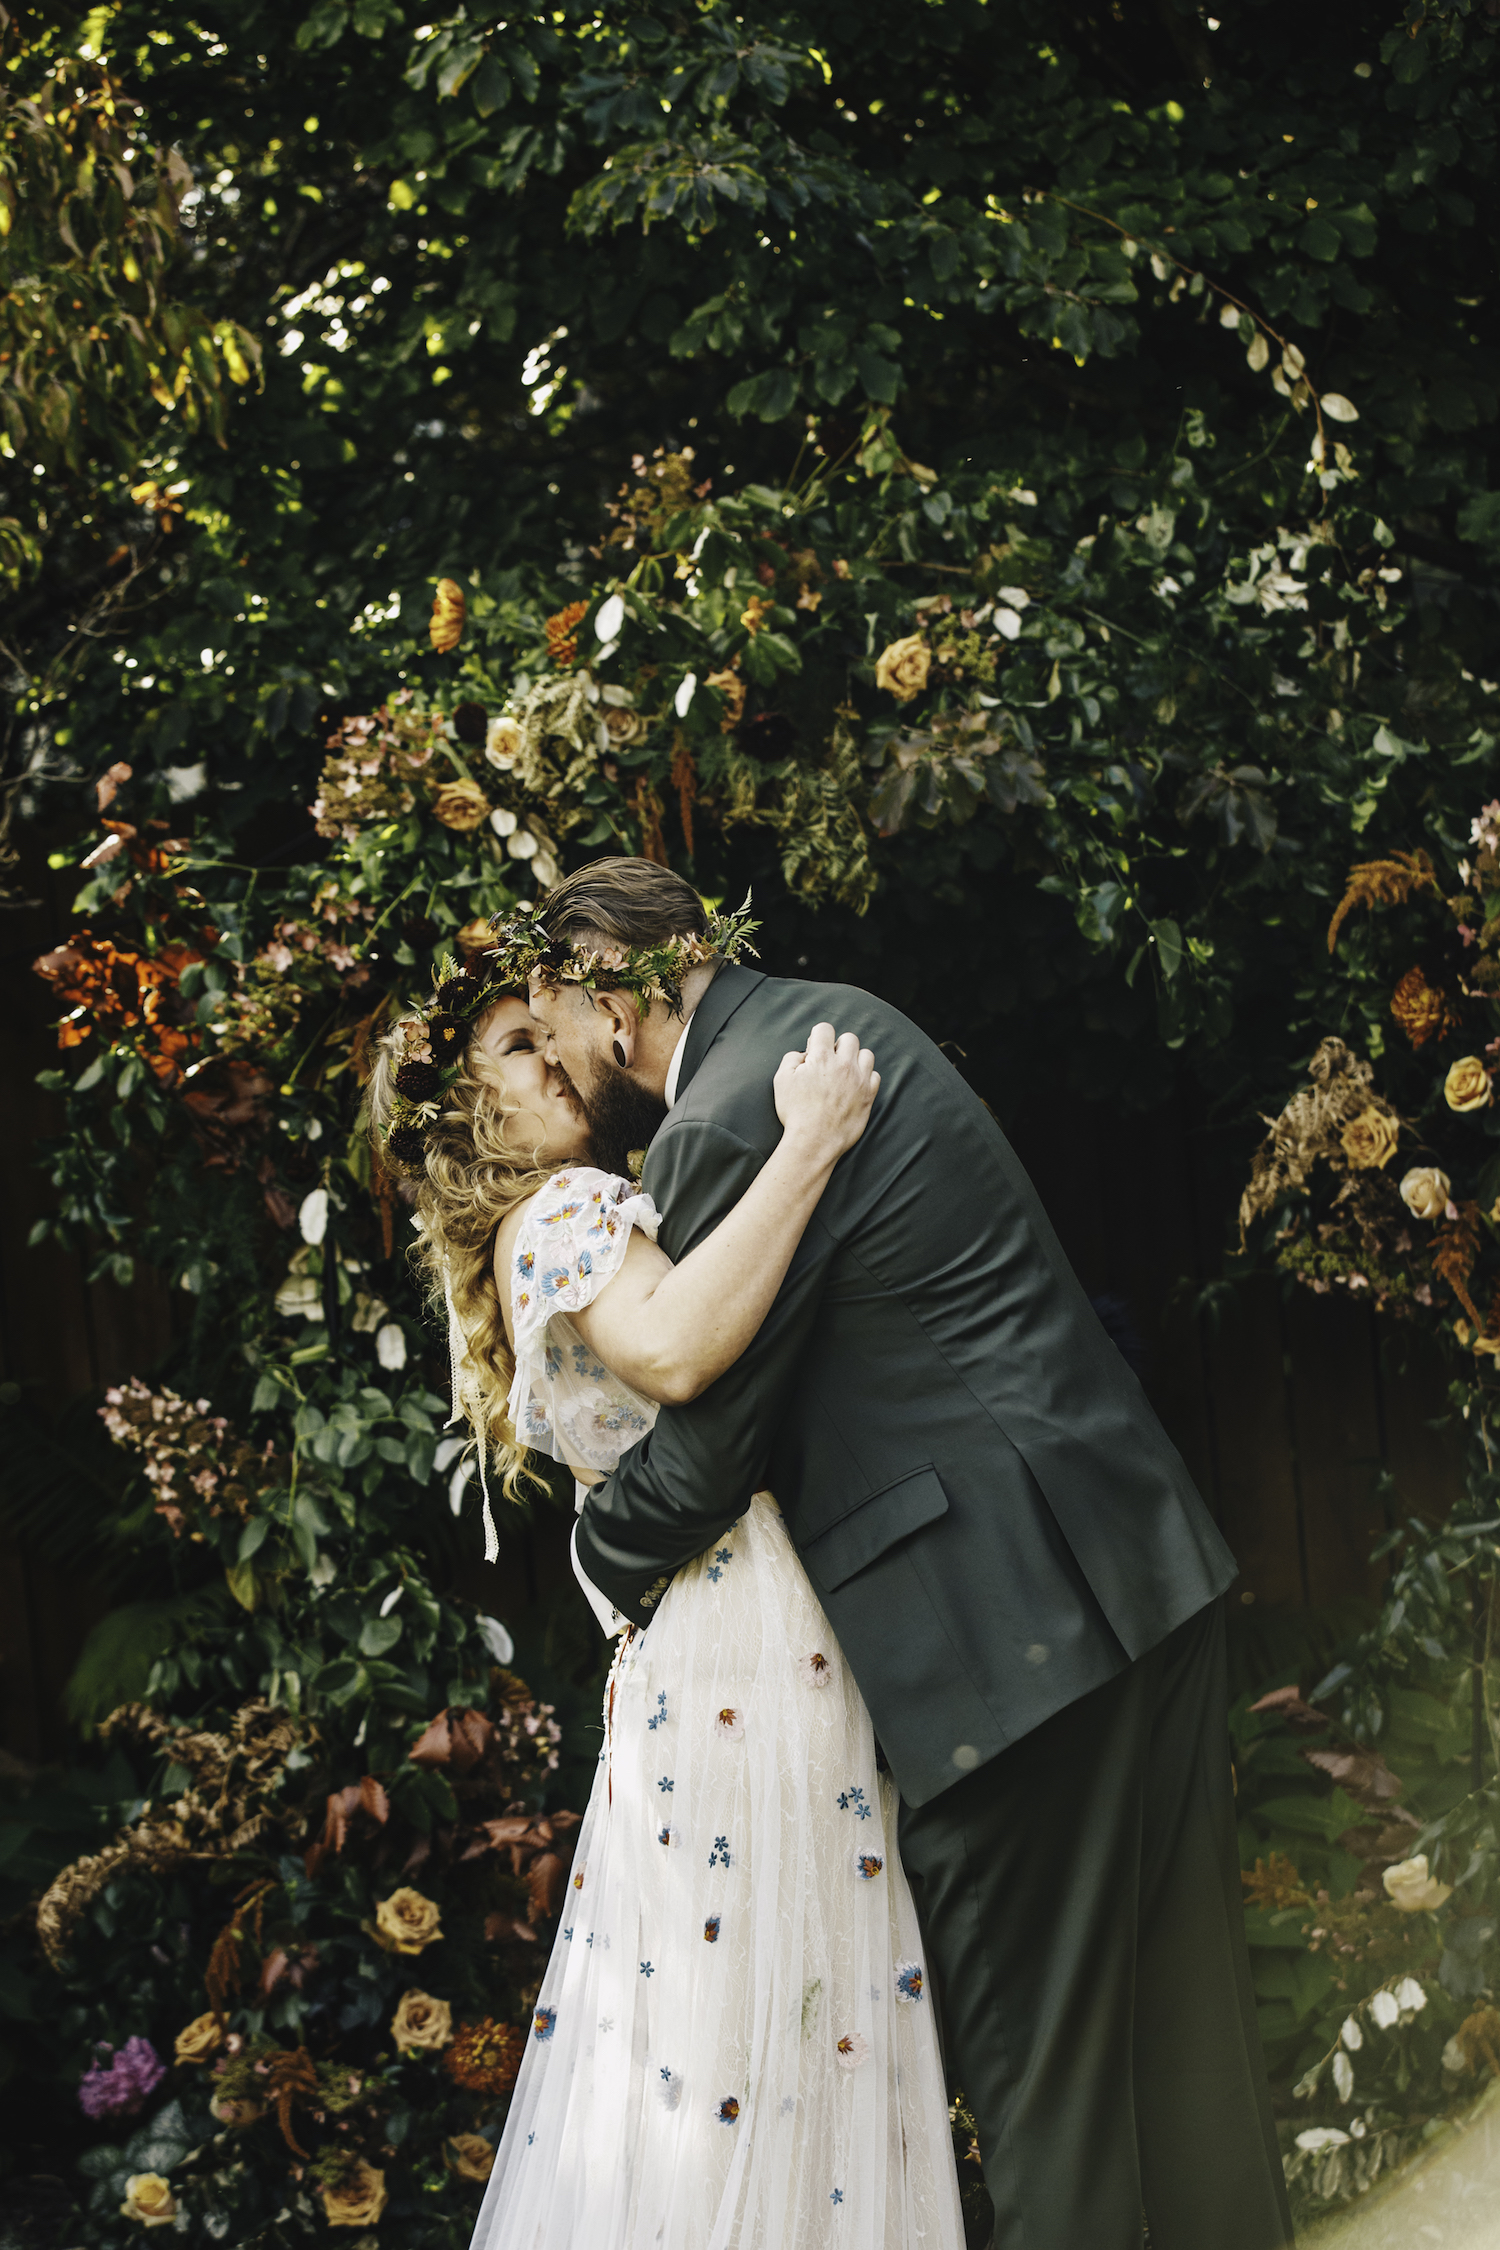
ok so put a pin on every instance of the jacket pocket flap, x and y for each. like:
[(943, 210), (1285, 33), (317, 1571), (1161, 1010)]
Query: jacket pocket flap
[(877, 1523)]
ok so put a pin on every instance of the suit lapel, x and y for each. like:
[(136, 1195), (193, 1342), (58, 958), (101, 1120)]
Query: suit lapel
[(730, 988)]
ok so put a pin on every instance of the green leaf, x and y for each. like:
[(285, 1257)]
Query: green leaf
[(254, 1537), (491, 87), (378, 1635), (1168, 947)]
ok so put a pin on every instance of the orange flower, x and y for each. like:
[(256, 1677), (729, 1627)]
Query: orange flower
[(753, 615), (448, 611), (562, 641), (1421, 1010), (485, 2057)]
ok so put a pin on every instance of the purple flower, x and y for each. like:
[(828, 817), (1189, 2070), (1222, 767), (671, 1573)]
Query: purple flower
[(119, 2086)]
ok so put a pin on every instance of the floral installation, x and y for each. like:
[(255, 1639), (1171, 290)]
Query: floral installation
[(356, 2196), (188, 1457), (198, 2040)]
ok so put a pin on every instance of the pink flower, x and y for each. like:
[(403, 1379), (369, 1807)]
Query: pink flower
[(729, 1726), (279, 957)]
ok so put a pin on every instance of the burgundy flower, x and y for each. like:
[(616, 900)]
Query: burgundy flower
[(419, 1081)]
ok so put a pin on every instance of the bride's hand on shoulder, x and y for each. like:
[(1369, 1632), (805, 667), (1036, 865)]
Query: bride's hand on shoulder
[(824, 1094)]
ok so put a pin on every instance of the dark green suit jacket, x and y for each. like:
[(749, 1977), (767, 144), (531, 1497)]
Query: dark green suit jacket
[(989, 1510)]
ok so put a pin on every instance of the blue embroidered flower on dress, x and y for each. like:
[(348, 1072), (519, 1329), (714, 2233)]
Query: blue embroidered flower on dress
[(727, 2111), (722, 1555), (563, 1211), (855, 1801), (544, 2023), (668, 2088), (719, 1856), (665, 1785), (837, 2196), (554, 1281), (647, 1970), (867, 1866), (658, 1717), (711, 1929), (526, 1264), (908, 1980), (668, 1835)]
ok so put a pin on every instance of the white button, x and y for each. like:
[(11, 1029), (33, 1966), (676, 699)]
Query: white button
[(1038, 1653), (966, 1757)]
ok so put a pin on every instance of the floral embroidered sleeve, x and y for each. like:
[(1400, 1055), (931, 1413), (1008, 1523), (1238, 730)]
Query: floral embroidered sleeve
[(564, 1402)]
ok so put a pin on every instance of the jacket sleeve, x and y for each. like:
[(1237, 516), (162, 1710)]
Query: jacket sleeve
[(681, 1487)]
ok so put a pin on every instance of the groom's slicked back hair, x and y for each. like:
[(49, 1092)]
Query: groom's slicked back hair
[(625, 902)]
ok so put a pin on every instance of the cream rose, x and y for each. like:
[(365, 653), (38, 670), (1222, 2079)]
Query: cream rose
[(1370, 1139), (461, 805), (198, 2039), (469, 2157), (1467, 1085), (623, 727), (149, 2199), (502, 743), (406, 1922), (359, 2198), (230, 2110), (421, 2023), (902, 668), (1424, 1191), (1409, 1886)]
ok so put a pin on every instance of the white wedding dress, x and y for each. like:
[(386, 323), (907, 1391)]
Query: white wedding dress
[(733, 2047)]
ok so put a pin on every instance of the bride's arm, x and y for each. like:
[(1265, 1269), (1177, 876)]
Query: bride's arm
[(671, 1330)]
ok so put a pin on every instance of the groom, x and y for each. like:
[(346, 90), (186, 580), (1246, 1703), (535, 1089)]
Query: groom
[(1021, 1576)]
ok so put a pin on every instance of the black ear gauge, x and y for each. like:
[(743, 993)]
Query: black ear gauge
[(620, 1055)]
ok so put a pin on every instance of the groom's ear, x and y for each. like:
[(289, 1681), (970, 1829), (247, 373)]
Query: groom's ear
[(620, 1025)]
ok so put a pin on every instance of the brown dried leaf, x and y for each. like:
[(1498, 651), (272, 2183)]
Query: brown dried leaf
[(1288, 1703), (1454, 1252), (374, 1800), (433, 1746), (1362, 1774)]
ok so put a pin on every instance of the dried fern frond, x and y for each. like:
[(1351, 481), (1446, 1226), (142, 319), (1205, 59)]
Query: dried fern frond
[(1382, 882), (1454, 1252)]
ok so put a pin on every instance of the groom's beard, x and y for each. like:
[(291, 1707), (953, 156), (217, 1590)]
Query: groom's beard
[(621, 1115)]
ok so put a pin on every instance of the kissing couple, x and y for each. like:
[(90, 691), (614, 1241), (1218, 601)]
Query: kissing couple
[(915, 1768)]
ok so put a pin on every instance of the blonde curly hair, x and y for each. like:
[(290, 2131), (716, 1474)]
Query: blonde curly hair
[(470, 1183)]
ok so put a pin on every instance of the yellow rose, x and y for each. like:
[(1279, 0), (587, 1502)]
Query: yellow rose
[(1370, 1139), (461, 805), (902, 668), (149, 2199), (197, 2040), (1424, 1191), (359, 2198), (1467, 1085), (446, 625), (1409, 1886), (502, 743), (421, 2023), (732, 688), (236, 2112), (406, 1922), (469, 2157)]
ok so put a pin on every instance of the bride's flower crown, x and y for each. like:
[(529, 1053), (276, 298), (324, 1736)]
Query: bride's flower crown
[(433, 1038)]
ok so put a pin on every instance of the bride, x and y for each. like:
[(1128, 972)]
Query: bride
[(732, 2047)]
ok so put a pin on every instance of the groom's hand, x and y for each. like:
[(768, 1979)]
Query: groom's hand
[(824, 1094)]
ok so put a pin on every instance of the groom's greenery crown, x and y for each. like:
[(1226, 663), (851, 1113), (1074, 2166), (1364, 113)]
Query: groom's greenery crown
[(524, 947)]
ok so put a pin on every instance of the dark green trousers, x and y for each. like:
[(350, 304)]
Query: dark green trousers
[(1080, 1902)]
